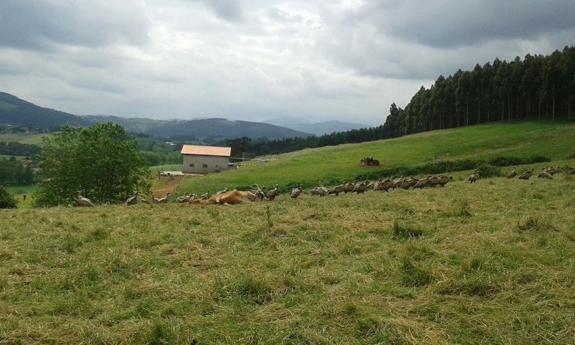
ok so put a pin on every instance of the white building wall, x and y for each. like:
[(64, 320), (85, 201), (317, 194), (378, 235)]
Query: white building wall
[(197, 164)]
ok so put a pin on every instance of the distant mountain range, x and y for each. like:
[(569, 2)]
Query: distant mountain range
[(15, 111), (316, 128)]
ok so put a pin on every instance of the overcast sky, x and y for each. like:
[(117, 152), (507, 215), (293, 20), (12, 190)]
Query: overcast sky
[(259, 59)]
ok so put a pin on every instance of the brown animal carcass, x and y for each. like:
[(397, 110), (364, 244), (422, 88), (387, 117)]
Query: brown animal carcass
[(233, 197), (545, 174)]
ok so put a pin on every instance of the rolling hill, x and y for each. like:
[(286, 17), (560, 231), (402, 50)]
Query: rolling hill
[(15, 111), (340, 163), (316, 128)]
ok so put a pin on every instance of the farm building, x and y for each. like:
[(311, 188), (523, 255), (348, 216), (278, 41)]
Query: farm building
[(199, 159)]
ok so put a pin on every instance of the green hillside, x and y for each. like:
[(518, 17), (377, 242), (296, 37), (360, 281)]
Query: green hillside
[(484, 263), (523, 139)]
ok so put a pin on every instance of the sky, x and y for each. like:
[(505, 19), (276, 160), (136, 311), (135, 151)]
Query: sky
[(256, 60)]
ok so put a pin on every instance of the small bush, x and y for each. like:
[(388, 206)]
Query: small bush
[(6, 199), (401, 232), (486, 170), (414, 276)]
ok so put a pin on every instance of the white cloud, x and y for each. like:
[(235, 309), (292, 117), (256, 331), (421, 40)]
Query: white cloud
[(251, 60)]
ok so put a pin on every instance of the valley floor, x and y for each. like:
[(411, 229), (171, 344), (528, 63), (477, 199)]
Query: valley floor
[(485, 263)]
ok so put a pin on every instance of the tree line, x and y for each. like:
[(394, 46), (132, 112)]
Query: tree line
[(14, 172), (535, 87), (18, 149)]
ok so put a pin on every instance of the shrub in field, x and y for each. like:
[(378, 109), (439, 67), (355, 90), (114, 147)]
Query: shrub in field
[(102, 161), (6, 199), (486, 170)]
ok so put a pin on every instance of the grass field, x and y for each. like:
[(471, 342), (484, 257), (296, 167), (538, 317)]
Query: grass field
[(33, 139), (166, 167), (485, 263), (524, 139)]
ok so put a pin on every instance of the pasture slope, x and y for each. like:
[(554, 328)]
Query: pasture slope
[(312, 166), (485, 263)]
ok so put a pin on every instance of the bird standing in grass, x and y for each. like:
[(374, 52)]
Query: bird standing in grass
[(272, 193), (296, 192), (135, 199), (162, 200), (83, 201), (526, 175), (512, 174)]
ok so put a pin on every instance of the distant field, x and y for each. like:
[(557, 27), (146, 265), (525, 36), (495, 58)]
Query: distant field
[(524, 139), (19, 192), (33, 139), (485, 263), (10, 156), (167, 167)]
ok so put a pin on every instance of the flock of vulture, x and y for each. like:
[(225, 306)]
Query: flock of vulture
[(226, 197), (546, 173)]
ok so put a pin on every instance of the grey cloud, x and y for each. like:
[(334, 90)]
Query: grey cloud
[(42, 24), (449, 23), (256, 59), (228, 10)]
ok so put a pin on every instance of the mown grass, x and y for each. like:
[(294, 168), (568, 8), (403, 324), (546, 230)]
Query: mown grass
[(166, 167), (485, 263), (341, 163), (24, 138)]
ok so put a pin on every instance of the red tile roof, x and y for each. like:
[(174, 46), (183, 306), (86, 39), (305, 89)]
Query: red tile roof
[(206, 150)]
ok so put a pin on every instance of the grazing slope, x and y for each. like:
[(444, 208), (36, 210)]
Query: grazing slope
[(488, 263), (523, 139)]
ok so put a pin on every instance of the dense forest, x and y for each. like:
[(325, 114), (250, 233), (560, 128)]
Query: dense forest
[(14, 172), (536, 87), (18, 149)]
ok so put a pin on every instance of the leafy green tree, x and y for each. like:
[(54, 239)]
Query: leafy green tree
[(101, 161), (6, 199)]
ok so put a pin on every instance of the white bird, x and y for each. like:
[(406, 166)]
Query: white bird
[(82, 201), (135, 199), (162, 200)]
